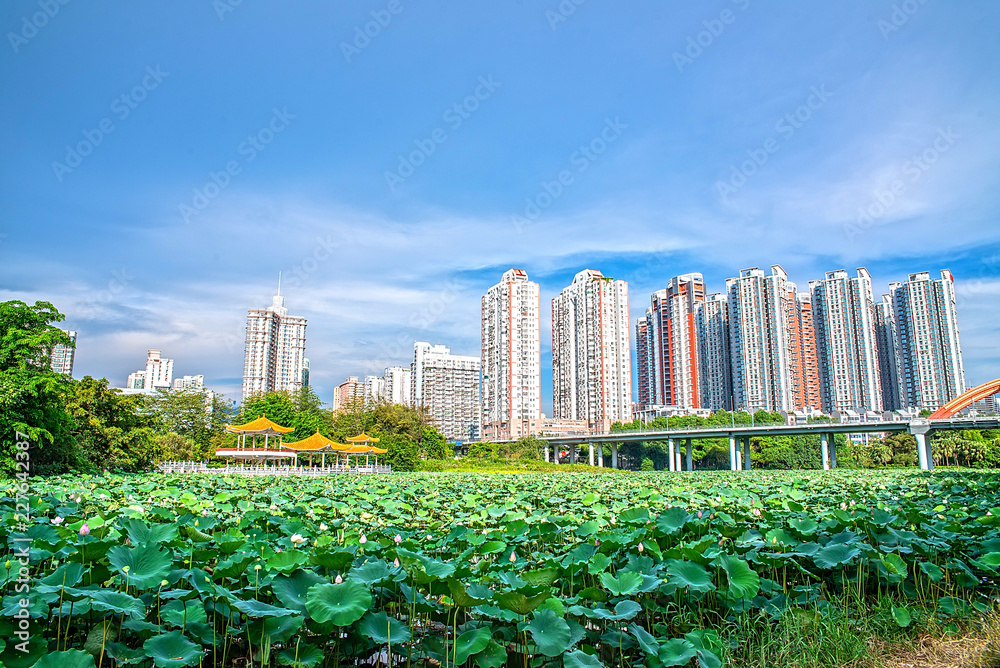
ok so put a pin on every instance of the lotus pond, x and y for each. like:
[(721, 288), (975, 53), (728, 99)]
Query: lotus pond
[(560, 569)]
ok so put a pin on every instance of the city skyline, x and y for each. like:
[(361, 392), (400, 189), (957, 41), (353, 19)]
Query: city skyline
[(154, 200)]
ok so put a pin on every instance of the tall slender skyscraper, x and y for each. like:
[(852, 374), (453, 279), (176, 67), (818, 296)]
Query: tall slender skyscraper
[(275, 352), (668, 354), (63, 356), (926, 327), (890, 364), (511, 357), (591, 351), (715, 374), (844, 317)]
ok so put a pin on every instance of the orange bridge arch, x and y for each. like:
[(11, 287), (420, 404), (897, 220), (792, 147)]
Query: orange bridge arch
[(966, 400)]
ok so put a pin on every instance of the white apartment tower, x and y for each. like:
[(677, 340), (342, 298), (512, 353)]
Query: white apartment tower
[(447, 386), (845, 322), (716, 383), (396, 385), (275, 354), (931, 372), (190, 382), (511, 357), (158, 374), (62, 356), (591, 351)]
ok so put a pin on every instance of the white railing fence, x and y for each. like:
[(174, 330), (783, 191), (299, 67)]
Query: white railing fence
[(203, 467)]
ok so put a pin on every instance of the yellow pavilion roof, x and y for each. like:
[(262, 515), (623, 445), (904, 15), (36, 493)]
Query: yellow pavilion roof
[(259, 426), (362, 438), (315, 442), (364, 450)]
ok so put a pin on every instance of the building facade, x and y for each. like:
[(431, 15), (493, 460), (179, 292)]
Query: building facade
[(190, 382), (396, 385), (925, 322), (157, 375), (63, 356), (447, 386), (715, 377), (846, 341), (591, 351), (275, 352), (349, 394), (511, 357)]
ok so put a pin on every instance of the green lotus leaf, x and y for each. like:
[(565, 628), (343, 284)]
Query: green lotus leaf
[(179, 613), (991, 559), (835, 555), (542, 577), (519, 603), (462, 596), (902, 616), (626, 583), (268, 630), (140, 533), (371, 572), (147, 565), (689, 575), (932, 571), (580, 659), (172, 650), (894, 564), (109, 600), (494, 656), (646, 640), (342, 604), (287, 561), (68, 574), (73, 658), (383, 629), (743, 581), (254, 608), (624, 610), (469, 643), (671, 520), (806, 526), (676, 652), (291, 590), (549, 631), (634, 516), (301, 654)]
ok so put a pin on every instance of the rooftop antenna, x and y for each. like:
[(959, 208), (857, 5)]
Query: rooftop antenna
[(279, 283)]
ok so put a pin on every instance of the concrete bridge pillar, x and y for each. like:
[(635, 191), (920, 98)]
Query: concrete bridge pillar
[(831, 440), (591, 445), (690, 461), (546, 453), (600, 456), (672, 465), (747, 465), (921, 430), (572, 454), (824, 446), (733, 464), (614, 455)]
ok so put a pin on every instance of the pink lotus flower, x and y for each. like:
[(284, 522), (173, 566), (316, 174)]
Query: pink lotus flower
[(395, 562), (398, 539), (57, 521), (513, 557), (756, 512), (85, 530), (338, 579), (363, 539), (699, 514), (639, 547)]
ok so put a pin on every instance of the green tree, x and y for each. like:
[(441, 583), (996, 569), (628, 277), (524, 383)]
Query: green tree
[(174, 447), (114, 431), (433, 445), (31, 394), (403, 454)]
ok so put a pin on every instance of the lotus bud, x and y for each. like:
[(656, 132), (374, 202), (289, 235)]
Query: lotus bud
[(323, 527), (699, 514), (756, 512), (513, 557), (163, 583), (363, 539), (395, 562), (125, 569), (639, 547), (257, 567), (338, 579), (398, 539), (85, 530)]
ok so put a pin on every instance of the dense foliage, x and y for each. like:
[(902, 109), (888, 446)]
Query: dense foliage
[(617, 569)]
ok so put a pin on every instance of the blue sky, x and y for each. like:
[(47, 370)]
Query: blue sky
[(163, 162)]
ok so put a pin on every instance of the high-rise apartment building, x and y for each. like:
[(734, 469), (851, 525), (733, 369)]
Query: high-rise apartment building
[(374, 391), (931, 372), (158, 374), (447, 386), (715, 374), (644, 363), (275, 352), (844, 318), (669, 354), (511, 357), (396, 385), (591, 351), (61, 359), (349, 394), (807, 389), (890, 364), (190, 382)]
